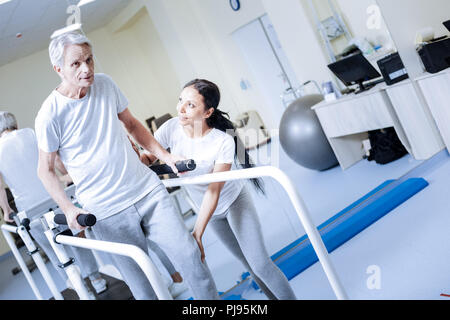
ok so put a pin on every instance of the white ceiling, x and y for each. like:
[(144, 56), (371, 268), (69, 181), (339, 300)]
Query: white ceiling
[(38, 19)]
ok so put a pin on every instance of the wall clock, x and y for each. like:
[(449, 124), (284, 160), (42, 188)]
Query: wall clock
[(235, 4)]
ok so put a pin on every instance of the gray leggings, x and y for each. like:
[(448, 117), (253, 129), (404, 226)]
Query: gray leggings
[(240, 230), (154, 218)]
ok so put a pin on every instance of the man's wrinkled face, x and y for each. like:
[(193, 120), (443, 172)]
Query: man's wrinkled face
[(78, 67)]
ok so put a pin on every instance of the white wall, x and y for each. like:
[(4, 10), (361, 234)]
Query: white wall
[(24, 85), (137, 61), (299, 39), (405, 17), (323, 11), (152, 53), (197, 36), (134, 56), (354, 13)]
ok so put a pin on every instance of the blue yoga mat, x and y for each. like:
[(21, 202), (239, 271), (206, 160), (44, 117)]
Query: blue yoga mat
[(300, 255)]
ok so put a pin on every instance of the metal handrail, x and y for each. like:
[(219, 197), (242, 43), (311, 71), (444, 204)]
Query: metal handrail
[(7, 230), (298, 203), (131, 251), (152, 273)]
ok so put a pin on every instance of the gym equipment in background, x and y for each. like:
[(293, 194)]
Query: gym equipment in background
[(156, 123), (251, 130), (302, 136), (165, 172), (149, 122)]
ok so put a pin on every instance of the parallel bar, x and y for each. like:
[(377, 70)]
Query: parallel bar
[(73, 273), (6, 229), (31, 247), (297, 202), (131, 251)]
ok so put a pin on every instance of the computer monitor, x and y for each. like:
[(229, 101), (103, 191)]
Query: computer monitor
[(355, 69), (447, 24)]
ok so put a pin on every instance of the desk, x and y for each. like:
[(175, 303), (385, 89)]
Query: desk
[(346, 121), (436, 89)]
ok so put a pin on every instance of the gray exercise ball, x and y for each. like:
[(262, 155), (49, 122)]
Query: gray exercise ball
[(302, 136)]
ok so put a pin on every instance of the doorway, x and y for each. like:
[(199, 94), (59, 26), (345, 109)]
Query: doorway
[(274, 76)]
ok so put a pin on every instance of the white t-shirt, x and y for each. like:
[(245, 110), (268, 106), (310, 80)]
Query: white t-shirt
[(216, 147), (18, 166), (94, 147)]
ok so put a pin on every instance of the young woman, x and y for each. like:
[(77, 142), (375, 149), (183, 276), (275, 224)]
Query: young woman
[(200, 133)]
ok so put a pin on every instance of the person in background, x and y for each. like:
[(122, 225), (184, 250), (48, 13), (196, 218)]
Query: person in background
[(18, 170)]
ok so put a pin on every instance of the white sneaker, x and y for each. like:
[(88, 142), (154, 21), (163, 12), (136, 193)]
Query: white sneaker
[(91, 295), (177, 288), (100, 285)]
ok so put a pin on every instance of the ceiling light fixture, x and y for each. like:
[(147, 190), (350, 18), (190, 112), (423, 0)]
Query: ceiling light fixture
[(4, 1), (72, 27), (83, 2)]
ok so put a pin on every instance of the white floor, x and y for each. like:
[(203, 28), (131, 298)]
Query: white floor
[(410, 245)]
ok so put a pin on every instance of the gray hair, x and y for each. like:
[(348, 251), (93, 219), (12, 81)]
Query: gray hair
[(58, 45), (7, 121)]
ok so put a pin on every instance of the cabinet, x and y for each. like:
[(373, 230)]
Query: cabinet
[(436, 90)]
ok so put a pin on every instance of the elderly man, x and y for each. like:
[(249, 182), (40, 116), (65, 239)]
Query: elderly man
[(18, 169), (82, 121)]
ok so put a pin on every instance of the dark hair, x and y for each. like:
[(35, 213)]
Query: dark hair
[(221, 120)]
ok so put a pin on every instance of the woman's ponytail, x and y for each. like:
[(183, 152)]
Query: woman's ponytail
[(221, 120)]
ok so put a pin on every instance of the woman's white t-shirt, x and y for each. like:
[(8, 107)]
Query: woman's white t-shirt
[(216, 147)]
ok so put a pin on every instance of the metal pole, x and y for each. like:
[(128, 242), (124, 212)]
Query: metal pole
[(33, 250), (6, 230), (67, 263)]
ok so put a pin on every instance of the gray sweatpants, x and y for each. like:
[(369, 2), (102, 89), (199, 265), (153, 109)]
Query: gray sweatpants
[(240, 230), (84, 258), (162, 257), (154, 218)]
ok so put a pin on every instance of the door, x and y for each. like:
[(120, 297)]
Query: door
[(268, 63)]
